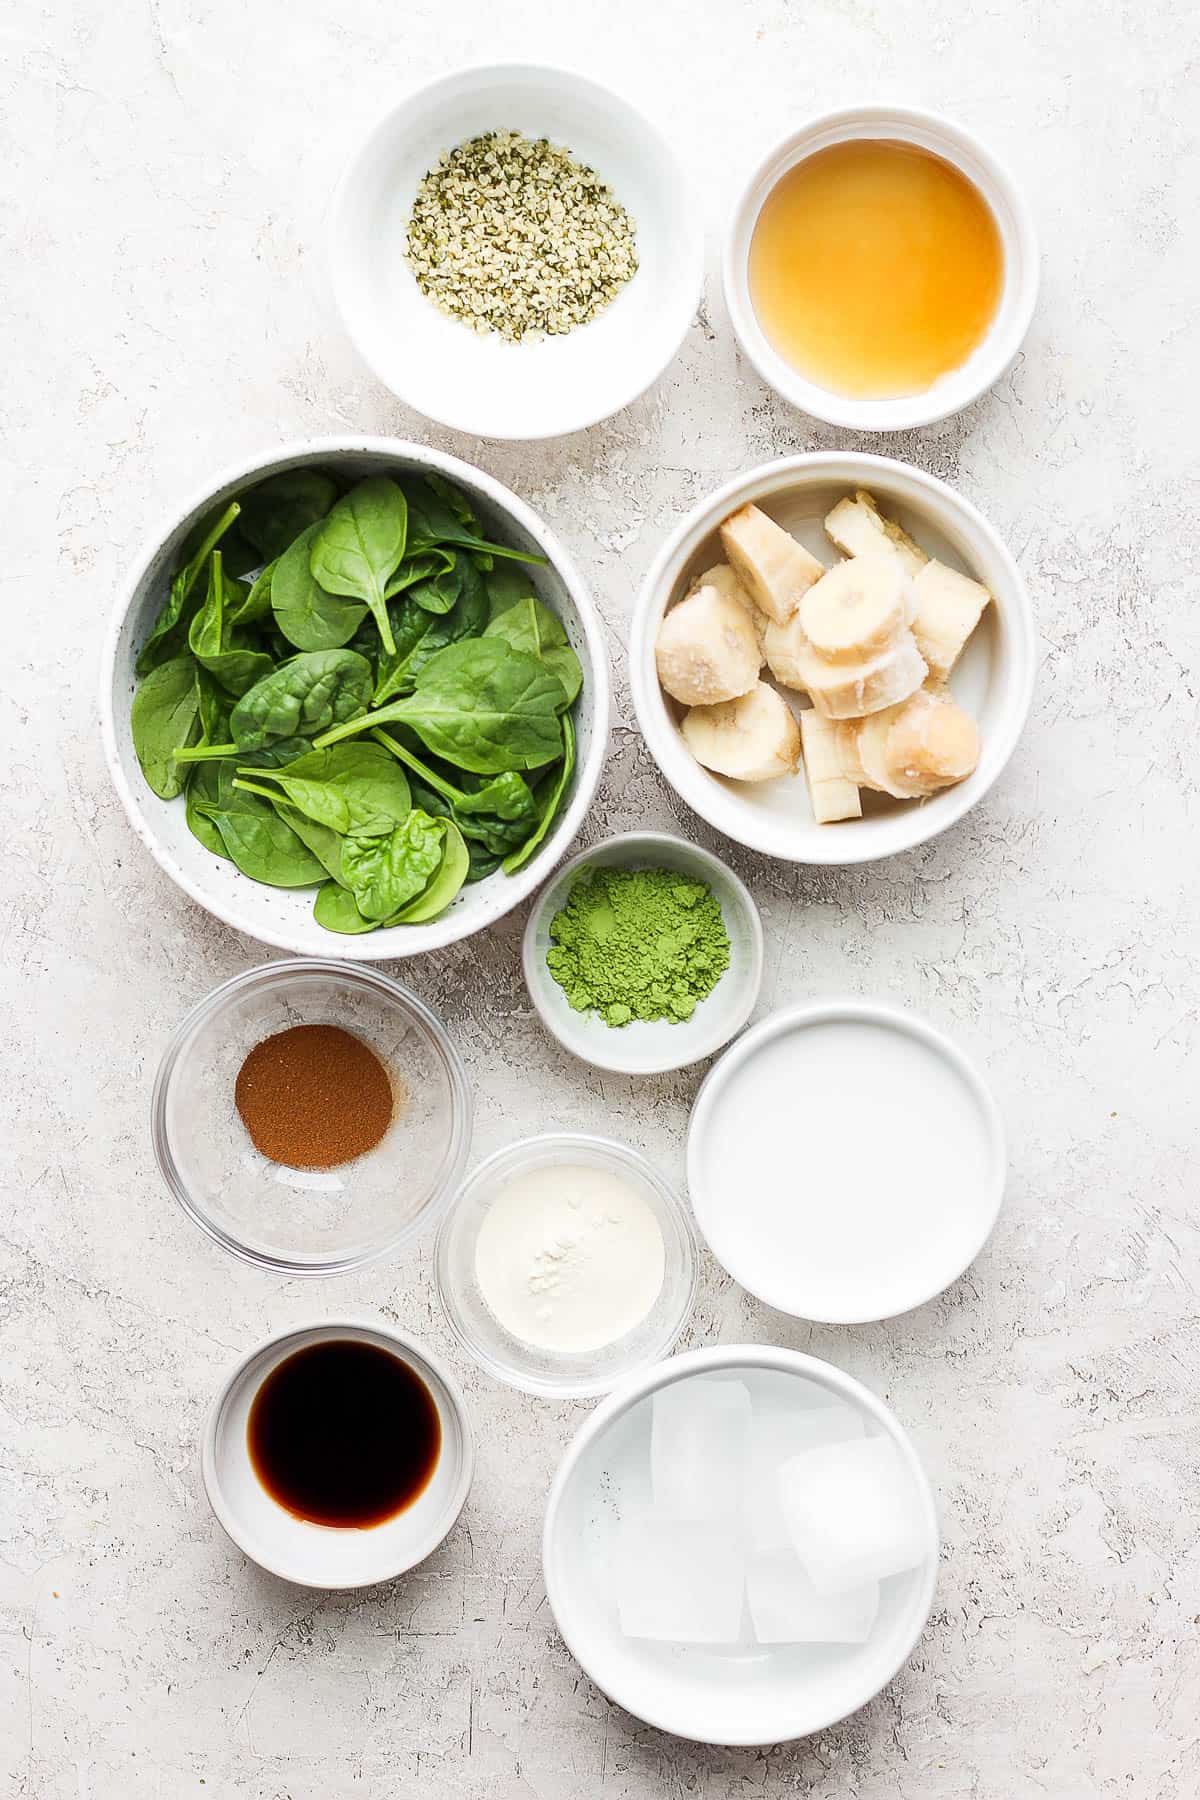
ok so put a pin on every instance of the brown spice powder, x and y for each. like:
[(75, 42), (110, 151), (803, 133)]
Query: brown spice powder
[(314, 1096)]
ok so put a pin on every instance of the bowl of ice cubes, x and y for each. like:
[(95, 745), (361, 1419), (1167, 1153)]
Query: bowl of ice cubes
[(741, 1545)]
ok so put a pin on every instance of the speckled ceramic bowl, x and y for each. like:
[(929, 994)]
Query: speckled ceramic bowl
[(282, 916)]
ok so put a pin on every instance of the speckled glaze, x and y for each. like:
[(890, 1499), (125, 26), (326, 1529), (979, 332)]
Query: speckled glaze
[(166, 174)]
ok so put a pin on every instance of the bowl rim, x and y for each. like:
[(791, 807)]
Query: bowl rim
[(462, 1110), (712, 1041), (932, 404), (616, 102), (724, 1358), (864, 468), (872, 1012), (412, 1348), (541, 1144), (388, 944)]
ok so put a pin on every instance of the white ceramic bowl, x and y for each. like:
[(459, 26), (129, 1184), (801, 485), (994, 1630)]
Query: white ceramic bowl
[(556, 1374), (640, 1048), (281, 916), (485, 385), (321, 1556), (993, 679), (988, 361), (744, 1694), (803, 1218)]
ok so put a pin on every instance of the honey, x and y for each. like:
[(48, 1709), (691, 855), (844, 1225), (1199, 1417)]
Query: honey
[(875, 268)]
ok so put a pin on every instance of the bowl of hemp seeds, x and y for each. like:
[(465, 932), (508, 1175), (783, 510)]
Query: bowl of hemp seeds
[(515, 252)]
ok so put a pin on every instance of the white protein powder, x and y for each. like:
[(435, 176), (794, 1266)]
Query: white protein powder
[(569, 1257)]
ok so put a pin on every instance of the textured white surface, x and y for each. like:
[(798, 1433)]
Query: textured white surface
[(165, 171)]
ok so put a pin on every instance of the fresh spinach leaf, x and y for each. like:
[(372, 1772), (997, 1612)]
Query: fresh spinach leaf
[(385, 873), (325, 845), (263, 845), (420, 635), (309, 694), (480, 705), (500, 813), (360, 546), (349, 788), (169, 631), (528, 625), (164, 718), (550, 802), (276, 511), (202, 790), (214, 644), (419, 568), (308, 616), (434, 519), (448, 879), (337, 910), (256, 607)]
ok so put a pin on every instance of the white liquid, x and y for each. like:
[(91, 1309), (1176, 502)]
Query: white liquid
[(569, 1257), (847, 1167)]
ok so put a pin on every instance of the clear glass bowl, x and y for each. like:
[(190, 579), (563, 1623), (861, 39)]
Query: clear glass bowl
[(310, 1221), (559, 1374)]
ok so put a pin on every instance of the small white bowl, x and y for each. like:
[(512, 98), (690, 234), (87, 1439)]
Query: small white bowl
[(321, 1556), (551, 1374), (284, 916), (993, 678), (958, 388), (899, 1110), (641, 1048), (745, 1694), (485, 385)]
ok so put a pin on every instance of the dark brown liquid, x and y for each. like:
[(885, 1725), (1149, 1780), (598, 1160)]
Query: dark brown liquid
[(344, 1433)]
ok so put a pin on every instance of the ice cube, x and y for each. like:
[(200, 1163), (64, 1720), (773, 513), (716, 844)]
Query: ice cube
[(853, 1512), (776, 1433), (679, 1580), (698, 1448), (787, 1609)]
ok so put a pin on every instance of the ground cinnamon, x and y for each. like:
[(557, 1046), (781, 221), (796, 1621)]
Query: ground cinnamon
[(314, 1096)]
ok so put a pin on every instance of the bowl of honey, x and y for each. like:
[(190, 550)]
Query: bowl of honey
[(882, 268)]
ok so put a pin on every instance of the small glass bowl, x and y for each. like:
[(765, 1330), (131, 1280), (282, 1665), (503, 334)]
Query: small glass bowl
[(549, 1373), (310, 1221)]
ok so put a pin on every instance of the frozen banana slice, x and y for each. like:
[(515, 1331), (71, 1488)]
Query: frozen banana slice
[(722, 577), (754, 738), (851, 690), (933, 743), (773, 568), (948, 608), (706, 650), (858, 528), (833, 796), (911, 750), (858, 609)]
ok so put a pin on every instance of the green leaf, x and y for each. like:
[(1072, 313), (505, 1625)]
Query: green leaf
[(451, 874), (164, 718), (361, 545), (308, 695), (500, 813), (202, 791), (276, 511), (385, 873), (480, 705), (212, 641), (263, 845), (529, 626), (438, 514), (349, 788), (337, 910), (306, 614), (325, 845), (169, 631), (556, 787), (420, 635)]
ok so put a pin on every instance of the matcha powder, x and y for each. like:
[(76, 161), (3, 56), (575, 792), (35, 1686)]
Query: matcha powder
[(638, 944)]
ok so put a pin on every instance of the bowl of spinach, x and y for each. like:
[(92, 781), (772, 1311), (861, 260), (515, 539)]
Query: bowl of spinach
[(355, 699)]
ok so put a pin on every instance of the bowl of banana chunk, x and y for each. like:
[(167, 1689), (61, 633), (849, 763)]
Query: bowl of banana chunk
[(832, 658)]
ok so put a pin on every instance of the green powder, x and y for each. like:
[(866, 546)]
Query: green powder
[(638, 944)]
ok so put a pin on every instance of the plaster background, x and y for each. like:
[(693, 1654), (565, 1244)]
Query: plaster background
[(164, 171)]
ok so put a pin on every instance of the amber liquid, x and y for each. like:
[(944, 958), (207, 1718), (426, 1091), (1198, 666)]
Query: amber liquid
[(875, 268), (343, 1433)]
